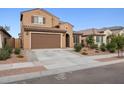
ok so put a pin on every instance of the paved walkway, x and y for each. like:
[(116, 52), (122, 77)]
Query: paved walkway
[(48, 62)]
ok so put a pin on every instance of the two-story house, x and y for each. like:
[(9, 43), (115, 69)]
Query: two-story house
[(41, 29)]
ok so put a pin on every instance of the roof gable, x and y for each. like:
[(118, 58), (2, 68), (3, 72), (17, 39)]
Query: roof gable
[(4, 31), (40, 10)]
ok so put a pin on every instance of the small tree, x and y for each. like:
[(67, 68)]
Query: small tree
[(111, 47), (90, 40), (119, 40)]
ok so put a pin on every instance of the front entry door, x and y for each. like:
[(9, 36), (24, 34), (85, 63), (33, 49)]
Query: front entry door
[(67, 40)]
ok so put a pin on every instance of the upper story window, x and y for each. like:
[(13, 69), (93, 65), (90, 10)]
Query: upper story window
[(38, 20)]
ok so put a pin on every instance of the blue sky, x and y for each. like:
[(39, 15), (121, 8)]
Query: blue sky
[(81, 18)]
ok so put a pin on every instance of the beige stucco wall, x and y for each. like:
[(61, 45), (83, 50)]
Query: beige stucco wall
[(121, 32), (69, 29), (80, 37), (26, 40), (64, 40), (107, 33), (50, 20), (2, 36)]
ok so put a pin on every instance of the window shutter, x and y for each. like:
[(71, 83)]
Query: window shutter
[(32, 19), (44, 20)]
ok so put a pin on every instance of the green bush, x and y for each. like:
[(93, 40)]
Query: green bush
[(103, 47), (77, 47), (111, 47), (97, 48), (8, 48), (4, 54), (93, 46), (17, 51), (112, 50)]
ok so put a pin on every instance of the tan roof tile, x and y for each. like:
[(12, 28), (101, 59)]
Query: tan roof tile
[(43, 29)]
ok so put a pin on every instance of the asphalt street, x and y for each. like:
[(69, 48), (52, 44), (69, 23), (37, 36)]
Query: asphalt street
[(109, 74)]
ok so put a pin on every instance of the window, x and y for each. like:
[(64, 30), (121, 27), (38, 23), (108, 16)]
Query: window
[(38, 20), (76, 39), (97, 39)]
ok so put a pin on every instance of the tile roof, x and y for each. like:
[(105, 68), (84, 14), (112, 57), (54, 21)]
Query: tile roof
[(43, 29), (62, 22), (91, 31), (77, 33), (3, 30), (95, 31)]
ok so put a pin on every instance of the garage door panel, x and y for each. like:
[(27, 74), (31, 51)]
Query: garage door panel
[(40, 40)]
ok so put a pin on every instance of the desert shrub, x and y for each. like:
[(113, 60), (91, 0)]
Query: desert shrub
[(84, 49), (93, 46), (4, 54), (77, 47), (84, 53), (103, 47), (8, 48), (17, 51)]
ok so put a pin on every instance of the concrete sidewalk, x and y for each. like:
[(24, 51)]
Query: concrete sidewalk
[(17, 71)]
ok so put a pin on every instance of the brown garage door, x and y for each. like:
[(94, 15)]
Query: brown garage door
[(40, 40)]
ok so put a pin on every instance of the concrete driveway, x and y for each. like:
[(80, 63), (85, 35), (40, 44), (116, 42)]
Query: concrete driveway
[(65, 59)]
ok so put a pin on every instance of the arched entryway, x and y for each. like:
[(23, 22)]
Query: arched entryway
[(67, 40)]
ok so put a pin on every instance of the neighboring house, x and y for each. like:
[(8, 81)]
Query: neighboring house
[(4, 37), (101, 35), (98, 37), (41, 29)]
